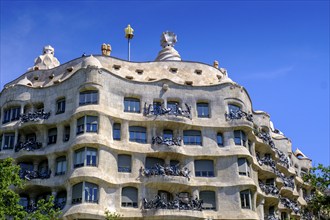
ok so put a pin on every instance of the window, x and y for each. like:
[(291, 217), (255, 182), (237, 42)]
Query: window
[(116, 131), (85, 157), (43, 167), (233, 108), (203, 110), (60, 106), (271, 210), (204, 168), (208, 198), (243, 167), (124, 163), (240, 138), (11, 114), (192, 137), (8, 141), (60, 166), (168, 135), (173, 106), (129, 197), (77, 193), (52, 135), (245, 199), (88, 97), (87, 123), (91, 192), (66, 135), (131, 105), (137, 134), (219, 139), (152, 161), (284, 216), (270, 182), (60, 200)]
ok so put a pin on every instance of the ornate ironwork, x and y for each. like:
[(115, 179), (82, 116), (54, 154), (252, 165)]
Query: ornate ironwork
[(28, 146), (167, 141), (268, 161), (160, 110), (290, 204), (35, 116), (268, 189), (271, 217), (167, 170), (239, 114), (283, 159), (177, 203), (34, 174), (59, 205), (266, 138)]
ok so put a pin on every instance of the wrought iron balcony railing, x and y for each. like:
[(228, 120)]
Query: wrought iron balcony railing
[(167, 170), (178, 203), (59, 205), (283, 159), (266, 138), (290, 204), (271, 217), (28, 146), (266, 161), (35, 116), (29, 175), (269, 189), (167, 141), (239, 114), (159, 110)]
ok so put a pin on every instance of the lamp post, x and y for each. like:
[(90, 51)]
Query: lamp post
[(129, 35)]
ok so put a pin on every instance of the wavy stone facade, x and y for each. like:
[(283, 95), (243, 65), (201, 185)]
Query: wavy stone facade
[(154, 140)]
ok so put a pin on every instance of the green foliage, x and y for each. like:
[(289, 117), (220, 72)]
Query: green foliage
[(319, 178), (9, 199), (112, 215)]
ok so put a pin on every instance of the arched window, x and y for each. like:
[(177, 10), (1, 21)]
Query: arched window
[(129, 197)]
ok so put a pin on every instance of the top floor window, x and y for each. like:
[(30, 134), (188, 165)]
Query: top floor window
[(131, 105), (233, 108), (60, 106), (11, 114), (203, 110), (192, 137), (88, 97)]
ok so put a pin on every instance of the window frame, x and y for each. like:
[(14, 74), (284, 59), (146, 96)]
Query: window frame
[(52, 136), (120, 160), (240, 138), (85, 156), (87, 97), (116, 130), (132, 105), (61, 170), (220, 144), (11, 114), (60, 106), (246, 199), (87, 124), (140, 134), (203, 110), (246, 170), (132, 203), (192, 134), (203, 163), (10, 141), (212, 203)]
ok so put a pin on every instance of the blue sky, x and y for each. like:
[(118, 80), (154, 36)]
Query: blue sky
[(277, 50)]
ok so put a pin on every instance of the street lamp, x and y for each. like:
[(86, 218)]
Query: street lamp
[(129, 35)]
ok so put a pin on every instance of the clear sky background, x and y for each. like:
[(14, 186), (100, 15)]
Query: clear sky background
[(277, 50)]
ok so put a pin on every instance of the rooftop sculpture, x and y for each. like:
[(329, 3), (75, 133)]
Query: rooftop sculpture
[(167, 41), (46, 60)]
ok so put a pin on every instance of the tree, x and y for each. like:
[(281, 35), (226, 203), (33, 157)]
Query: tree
[(9, 199), (319, 179)]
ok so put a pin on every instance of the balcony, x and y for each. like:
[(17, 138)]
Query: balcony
[(266, 138), (287, 203), (167, 141), (35, 116), (283, 159), (266, 161), (268, 189), (28, 146), (159, 110), (34, 174), (179, 203), (239, 114), (159, 170)]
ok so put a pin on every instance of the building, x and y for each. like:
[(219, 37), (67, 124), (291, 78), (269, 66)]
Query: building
[(168, 139)]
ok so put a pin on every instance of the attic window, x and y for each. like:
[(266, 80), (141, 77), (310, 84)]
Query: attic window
[(116, 67), (198, 72), (57, 81), (139, 71), (35, 77), (129, 77), (151, 79), (188, 83), (51, 76), (69, 69), (174, 70)]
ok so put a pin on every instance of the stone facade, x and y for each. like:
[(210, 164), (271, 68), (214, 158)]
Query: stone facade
[(152, 140)]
